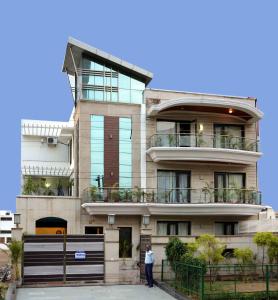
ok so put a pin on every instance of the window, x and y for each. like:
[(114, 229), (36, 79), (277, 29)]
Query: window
[(97, 79), (6, 218), (125, 242), (93, 230), (173, 228), (173, 186), (229, 187), (5, 231), (228, 136), (226, 228), (125, 153)]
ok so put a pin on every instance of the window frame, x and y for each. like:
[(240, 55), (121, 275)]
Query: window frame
[(176, 223), (225, 224)]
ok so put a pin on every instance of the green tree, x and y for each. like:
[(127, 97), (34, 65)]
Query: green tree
[(262, 240), (244, 255), (15, 252), (175, 249), (272, 250)]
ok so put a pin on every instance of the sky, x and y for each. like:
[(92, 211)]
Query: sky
[(222, 47)]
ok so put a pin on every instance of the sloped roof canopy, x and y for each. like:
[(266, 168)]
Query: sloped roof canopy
[(76, 49)]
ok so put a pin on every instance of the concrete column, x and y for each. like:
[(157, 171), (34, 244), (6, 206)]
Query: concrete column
[(17, 234), (111, 255)]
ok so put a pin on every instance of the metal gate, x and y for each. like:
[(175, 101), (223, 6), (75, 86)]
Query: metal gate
[(61, 258), (144, 241)]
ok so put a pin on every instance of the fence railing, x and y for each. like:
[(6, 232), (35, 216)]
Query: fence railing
[(203, 141), (173, 195), (233, 281)]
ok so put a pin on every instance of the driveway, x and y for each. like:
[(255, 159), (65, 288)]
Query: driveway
[(114, 292)]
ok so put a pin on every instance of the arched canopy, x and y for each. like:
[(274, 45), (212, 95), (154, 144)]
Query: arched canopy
[(210, 105), (51, 222)]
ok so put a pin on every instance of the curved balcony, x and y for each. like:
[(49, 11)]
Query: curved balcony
[(205, 201), (206, 148)]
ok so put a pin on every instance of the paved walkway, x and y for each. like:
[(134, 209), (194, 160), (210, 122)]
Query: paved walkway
[(115, 292)]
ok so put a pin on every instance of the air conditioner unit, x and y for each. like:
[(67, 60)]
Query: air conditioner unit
[(52, 140)]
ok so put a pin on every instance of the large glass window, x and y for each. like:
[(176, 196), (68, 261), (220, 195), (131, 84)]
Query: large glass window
[(173, 228), (125, 242), (173, 186), (125, 153), (228, 136), (229, 187), (98, 78), (226, 228), (97, 150)]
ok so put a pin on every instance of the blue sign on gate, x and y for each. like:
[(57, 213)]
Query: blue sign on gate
[(80, 255)]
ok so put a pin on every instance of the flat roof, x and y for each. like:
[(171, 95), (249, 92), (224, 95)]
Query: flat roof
[(79, 48)]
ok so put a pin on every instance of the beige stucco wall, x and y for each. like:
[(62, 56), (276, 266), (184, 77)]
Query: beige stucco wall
[(33, 208)]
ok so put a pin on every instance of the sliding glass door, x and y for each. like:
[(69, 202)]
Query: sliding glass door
[(229, 187), (173, 186), (228, 136)]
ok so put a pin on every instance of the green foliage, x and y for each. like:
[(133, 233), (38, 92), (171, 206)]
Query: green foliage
[(272, 250), (15, 251), (192, 261), (175, 249), (263, 238), (124, 248), (244, 255), (30, 187), (209, 249)]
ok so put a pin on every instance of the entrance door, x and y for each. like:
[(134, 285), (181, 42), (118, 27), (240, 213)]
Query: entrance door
[(184, 130)]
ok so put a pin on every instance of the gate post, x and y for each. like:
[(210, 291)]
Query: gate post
[(145, 238), (111, 255)]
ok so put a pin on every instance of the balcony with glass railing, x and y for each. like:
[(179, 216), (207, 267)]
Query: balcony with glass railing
[(172, 196), (202, 147)]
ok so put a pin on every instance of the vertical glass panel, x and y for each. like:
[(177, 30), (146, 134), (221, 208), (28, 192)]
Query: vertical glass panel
[(88, 79), (124, 95), (125, 153), (97, 150), (172, 228), (108, 96), (166, 186), (114, 97), (183, 228), (136, 96), (165, 133), (99, 95), (99, 80), (219, 228), (88, 94), (124, 81), (114, 81), (136, 84), (98, 67), (107, 81), (87, 64), (162, 228)]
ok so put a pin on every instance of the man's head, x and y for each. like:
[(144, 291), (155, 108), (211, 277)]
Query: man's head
[(148, 247)]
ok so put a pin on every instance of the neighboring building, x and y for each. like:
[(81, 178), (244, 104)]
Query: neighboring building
[(186, 163), (6, 225)]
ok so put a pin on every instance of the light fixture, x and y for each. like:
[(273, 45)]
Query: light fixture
[(17, 219), (230, 111), (47, 185), (146, 220), (111, 219), (201, 127)]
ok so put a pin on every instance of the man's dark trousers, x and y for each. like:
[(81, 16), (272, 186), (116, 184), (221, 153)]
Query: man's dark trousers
[(149, 274)]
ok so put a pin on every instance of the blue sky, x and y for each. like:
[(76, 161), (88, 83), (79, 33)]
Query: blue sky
[(225, 47)]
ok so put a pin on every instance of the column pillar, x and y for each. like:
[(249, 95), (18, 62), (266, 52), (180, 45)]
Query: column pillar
[(17, 233), (111, 255)]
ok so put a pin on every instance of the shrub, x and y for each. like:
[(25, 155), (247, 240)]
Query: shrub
[(272, 250), (244, 255), (175, 249)]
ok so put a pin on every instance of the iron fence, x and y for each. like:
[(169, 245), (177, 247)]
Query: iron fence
[(231, 281)]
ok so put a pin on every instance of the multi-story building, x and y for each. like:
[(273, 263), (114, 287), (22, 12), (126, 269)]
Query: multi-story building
[(162, 162), (6, 225)]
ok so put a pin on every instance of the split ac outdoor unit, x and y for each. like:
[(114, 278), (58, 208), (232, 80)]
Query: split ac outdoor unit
[(52, 140)]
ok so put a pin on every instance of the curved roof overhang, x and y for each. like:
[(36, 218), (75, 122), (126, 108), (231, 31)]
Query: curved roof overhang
[(244, 110)]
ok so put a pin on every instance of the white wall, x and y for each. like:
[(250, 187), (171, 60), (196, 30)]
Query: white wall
[(6, 225)]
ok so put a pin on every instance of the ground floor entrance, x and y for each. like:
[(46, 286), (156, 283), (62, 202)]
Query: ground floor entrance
[(114, 292)]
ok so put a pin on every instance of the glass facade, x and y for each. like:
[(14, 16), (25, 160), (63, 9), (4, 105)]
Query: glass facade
[(125, 153), (97, 150), (102, 83)]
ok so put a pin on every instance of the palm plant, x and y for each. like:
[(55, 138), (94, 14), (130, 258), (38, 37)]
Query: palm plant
[(15, 252)]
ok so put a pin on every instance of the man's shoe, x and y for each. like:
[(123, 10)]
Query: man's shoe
[(150, 286)]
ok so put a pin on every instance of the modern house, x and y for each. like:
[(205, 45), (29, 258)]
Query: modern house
[(152, 163), (6, 225)]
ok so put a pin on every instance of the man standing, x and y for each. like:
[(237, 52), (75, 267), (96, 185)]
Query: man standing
[(149, 260)]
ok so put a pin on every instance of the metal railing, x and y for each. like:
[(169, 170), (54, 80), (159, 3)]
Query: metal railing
[(204, 141), (233, 281), (173, 196)]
